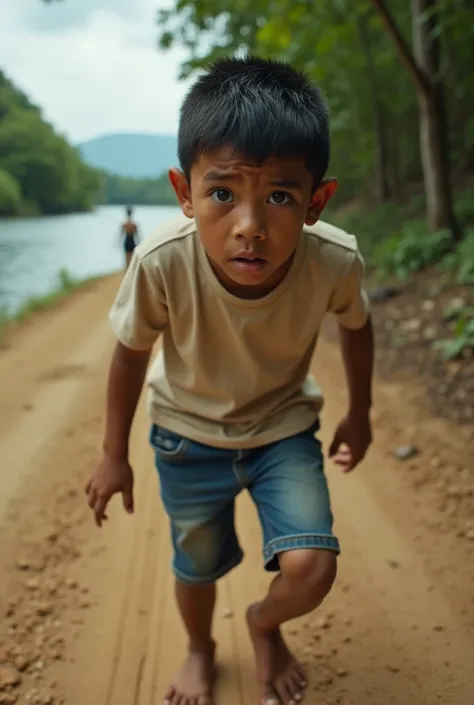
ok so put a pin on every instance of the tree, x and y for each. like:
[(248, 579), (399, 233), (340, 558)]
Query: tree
[(424, 69), (379, 112), (10, 194), (121, 190), (41, 170), (337, 44), (381, 127)]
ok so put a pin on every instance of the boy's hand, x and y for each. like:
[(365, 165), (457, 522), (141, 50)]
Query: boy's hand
[(351, 441), (110, 476)]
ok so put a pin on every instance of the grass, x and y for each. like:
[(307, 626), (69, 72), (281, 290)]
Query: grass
[(396, 244), (66, 285)]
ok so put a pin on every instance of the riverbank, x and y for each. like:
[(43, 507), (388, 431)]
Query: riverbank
[(32, 251), (67, 287)]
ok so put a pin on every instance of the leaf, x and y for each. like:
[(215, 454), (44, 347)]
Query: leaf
[(451, 349)]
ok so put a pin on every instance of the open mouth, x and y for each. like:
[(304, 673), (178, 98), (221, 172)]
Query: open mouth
[(250, 260), (249, 265)]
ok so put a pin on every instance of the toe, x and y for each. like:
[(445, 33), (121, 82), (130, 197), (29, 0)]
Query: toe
[(169, 696), (301, 676), (270, 698), (295, 687), (285, 693)]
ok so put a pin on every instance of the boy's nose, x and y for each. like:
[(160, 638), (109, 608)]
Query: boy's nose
[(249, 224)]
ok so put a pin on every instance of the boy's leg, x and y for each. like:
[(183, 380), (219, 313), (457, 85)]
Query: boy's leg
[(290, 490), (198, 488), (195, 678), (306, 577)]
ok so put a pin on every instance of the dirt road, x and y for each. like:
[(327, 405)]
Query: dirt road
[(87, 616)]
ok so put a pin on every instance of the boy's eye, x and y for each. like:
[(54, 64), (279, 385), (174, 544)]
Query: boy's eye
[(279, 198), (222, 195)]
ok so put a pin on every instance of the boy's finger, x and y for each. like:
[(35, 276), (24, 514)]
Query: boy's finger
[(127, 498), (341, 462), (92, 497), (334, 447), (99, 510), (87, 487), (344, 460), (342, 455)]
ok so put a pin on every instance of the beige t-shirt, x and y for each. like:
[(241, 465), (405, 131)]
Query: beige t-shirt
[(231, 372)]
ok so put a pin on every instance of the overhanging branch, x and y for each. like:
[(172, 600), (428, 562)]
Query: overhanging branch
[(416, 74)]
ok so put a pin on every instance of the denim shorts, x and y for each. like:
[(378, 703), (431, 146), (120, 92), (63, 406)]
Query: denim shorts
[(199, 485)]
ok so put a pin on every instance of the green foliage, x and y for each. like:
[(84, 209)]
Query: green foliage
[(463, 332), (395, 242), (461, 262), (4, 321), (118, 190), (66, 281), (410, 251), (465, 207), (42, 170), (10, 194), (344, 48)]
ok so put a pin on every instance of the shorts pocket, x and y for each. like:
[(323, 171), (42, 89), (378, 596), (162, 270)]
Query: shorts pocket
[(168, 445)]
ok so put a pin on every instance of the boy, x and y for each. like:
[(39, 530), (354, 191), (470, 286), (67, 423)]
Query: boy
[(129, 234), (238, 287)]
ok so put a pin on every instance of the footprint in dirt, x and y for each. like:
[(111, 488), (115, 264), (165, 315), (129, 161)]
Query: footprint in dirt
[(63, 372)]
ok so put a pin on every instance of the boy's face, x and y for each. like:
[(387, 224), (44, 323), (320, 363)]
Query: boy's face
[(250, 216)]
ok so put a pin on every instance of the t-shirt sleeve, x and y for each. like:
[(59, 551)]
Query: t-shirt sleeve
[(139, 312), (349, 301)]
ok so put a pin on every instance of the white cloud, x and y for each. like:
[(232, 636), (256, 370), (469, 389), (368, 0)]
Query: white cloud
[(95, 67)]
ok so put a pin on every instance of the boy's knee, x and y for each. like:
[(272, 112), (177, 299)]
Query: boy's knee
[(309, 572)]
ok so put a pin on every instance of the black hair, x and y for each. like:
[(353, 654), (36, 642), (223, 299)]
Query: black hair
[(129, 211), (262, 108)]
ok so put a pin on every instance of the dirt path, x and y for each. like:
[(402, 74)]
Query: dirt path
[(87, 616)]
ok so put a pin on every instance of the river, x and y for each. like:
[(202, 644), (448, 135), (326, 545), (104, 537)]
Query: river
[(34, 250)]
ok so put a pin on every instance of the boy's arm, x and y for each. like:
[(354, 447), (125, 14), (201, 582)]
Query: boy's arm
[(126, 377), (138, 316), (113, 472), (357, 346), (353, 436)]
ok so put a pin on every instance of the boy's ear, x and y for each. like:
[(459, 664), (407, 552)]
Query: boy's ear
[(182, 190), (321, 196)]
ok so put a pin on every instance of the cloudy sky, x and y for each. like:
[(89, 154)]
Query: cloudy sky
[(93, 65)]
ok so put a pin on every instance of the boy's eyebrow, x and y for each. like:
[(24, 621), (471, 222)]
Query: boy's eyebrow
[(287, 183), (230, 176), (219, 176)]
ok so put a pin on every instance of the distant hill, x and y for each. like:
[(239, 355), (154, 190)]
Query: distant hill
[(131, 155)]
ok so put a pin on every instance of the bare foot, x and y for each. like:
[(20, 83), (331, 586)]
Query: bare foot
[(281, 678), (194, 681)]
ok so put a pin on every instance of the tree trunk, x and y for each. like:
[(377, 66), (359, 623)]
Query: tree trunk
[(383, 189), (436, 171), (434, 145), (424, 69)]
